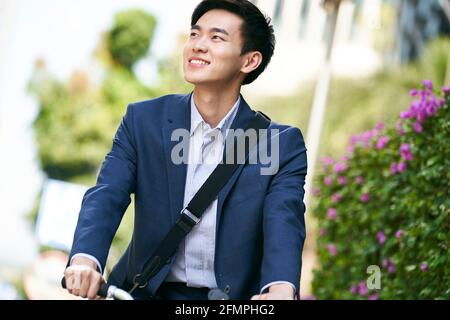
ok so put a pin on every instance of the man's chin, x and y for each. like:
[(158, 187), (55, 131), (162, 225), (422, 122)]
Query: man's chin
[(196, 81)]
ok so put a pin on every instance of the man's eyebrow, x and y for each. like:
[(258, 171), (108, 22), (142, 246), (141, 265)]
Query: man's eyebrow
[(214, 29)]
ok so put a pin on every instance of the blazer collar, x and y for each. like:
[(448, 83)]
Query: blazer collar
[(179, 113)]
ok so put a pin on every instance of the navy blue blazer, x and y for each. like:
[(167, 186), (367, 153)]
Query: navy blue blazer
[(260, 228)]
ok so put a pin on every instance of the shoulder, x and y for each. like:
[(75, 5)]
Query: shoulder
[(286, 133), (158, 104), (289, 147)]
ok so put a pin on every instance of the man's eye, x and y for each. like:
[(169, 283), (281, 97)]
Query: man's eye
[(193, 34), (217, 37)]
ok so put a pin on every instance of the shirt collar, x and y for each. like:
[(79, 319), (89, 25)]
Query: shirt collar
[(224, 124)]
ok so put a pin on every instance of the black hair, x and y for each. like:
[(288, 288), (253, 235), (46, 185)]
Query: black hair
[(256, 31)]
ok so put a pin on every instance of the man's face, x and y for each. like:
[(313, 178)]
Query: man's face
[(212, 53)]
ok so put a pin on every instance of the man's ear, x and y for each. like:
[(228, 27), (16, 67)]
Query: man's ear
[(252, 61)]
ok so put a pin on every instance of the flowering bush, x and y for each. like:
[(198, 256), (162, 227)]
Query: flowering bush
[(386, 203)]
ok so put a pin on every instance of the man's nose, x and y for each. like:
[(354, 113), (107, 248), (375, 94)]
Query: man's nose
[(200, 45)]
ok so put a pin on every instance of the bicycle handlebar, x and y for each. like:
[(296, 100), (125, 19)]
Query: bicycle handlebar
[(107, 291)]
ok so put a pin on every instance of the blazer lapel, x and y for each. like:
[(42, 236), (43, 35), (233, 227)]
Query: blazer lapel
[(178, 117), (241, 121)]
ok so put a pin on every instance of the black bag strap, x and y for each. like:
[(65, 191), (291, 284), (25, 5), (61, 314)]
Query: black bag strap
[(191, 215)]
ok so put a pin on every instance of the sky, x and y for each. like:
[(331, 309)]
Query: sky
[(65, 32)]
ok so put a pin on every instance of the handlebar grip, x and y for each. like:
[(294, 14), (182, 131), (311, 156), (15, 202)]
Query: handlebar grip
[(102, 291)]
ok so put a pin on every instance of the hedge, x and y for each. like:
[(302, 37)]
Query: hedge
[(386, 205)]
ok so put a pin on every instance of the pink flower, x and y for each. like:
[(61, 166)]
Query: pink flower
[(431, 109), (359, 180), (336, 197), (366, 137), (399, 233), (404, 148), (365, 197), (423, 94), (379, 126), (405, 114), (353, 289), (373, 297), (424, 267), (382, 141), (332, 249), (417, 127), (362, 288), (428, 84), (400, 130), (327, 161), (340, 167), (394, 168), (342, 180), (381, 237), (421, 115), (408, 156), (413, 92), (322, 232), (389, 265), (332, 213), (405, 152), (401, 166), (446, 89), (391, 268), (328, 180)]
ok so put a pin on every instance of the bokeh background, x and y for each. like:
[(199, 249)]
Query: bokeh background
[(365, 81)]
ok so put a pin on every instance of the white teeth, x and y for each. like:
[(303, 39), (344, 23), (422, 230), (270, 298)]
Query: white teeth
[(199, 62)]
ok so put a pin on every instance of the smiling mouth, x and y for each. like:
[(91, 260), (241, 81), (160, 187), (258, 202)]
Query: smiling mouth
[(197, 62)]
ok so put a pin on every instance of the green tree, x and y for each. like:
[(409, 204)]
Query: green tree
[(130, 37)]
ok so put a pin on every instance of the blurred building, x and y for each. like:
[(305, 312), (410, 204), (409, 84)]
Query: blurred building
[(302, 28), (369, 33), (418, 22)]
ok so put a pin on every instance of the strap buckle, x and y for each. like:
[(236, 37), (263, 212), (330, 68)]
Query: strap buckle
[(192, 217)]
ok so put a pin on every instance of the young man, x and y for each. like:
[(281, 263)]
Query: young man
[(250, 239)]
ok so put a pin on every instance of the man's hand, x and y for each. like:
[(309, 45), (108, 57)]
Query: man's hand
[(82, 278), (277, 292)]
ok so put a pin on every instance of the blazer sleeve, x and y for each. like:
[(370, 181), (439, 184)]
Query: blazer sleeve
[(104, 204), (283, 214)]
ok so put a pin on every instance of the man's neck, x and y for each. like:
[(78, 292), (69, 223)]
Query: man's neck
[(213, 105)]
